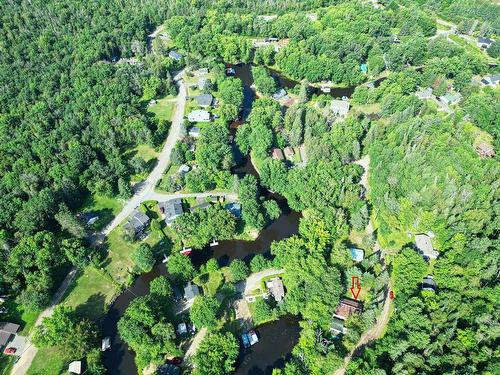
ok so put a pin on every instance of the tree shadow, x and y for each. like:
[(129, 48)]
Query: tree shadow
[(93, 309)]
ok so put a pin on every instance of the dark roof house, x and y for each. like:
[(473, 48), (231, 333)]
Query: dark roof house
[(171, 210), (348, 307), (194, 131), (137, 222), (204, 100), (191, 291), (484, 42), (280, 94), (428, 283), (7, 330)]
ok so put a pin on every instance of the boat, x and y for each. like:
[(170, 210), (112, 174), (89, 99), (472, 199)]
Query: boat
[(165, 258), (106, 344), (186, 251), (246, 340), (214, 243), (249, 338)]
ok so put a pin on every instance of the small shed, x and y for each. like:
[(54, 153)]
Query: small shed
[(75, 367), (276, 288), (175, 55), (357, 254), (199, 115), (183, 169), (337, 325), (289, 152), (277, 154), (340, 107), (204, 100), (194, 132), (424, 93), (429, 284), (191, 291), (424, 246)]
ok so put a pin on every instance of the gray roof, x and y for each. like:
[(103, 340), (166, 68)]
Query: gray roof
[(428, 283), (6, 331), (191, 291), (276, 288), (424, 93), (199, 115), (424, 245), (168, 369), (138, 221), (175, 55), (204, 100), (485, 40), (495, 78), (281, 93), (171, 209), (340, 107)]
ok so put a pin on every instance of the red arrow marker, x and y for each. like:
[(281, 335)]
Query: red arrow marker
[(355, 288)]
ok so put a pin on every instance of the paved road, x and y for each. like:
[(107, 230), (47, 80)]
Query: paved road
[(24, 362)]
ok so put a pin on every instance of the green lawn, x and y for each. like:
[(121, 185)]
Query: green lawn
[(19, 315), (163, 108), (49, 361), (105, 207)]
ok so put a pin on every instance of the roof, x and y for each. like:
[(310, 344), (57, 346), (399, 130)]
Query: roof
[(281, 93), (191, 291), (428, 283), (357, 254), (337, 325), (199, 115), (289, 151), (340, 106), (277, 154), (75, 367), (168, 369), (202, 81), (234, 208), (204, 100), (181, 328), (276, 288), (495, 78), (424, 93), (485, 149), (451, 98), (424, 245), (6, 331), (348, 307), (184, 168), (138, 221), (194, 131), (485, 40), (175, 55), (363, 68), (171, 209)]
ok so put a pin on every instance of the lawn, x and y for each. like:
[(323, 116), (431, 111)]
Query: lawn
[(49, 361), (105, 207), (163, 108), (19, 315)]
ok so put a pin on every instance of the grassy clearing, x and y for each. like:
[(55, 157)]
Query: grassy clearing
[(49, 361), (105, 207), (163, 108), (367, 108)]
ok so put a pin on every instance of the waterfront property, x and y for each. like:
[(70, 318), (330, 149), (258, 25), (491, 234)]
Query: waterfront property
[(190, 292), (339, 107), (276, 289), (205, 100), (347, 307), (357, 254), (171, 210)]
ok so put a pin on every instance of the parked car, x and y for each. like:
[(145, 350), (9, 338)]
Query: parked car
[(175, 361), (10, 351)]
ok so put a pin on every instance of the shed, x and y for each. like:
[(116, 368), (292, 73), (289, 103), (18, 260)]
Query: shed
[(424, 246), (204, 100), (75, 367), (7, 330), (202, 81), (191, 291), (340, 107), (357, 254), (171, 210), (194, 132), (175, 55), (280, 94), (277, 154), (424, 93), (276, 289), (199, 115), (168, 369), (428, 283), (348, 307), (137, 222), (363, 68)]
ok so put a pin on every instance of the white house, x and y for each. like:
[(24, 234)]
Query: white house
[(199, 115), (340, 107)]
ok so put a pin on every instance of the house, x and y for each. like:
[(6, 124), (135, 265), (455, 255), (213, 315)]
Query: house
[(424, 93), (424, 246), (191, 291), (277, 154), (289, 152), (348, 307), (485, 150), (204, 100), (168, 369), (337, 325), (276, 288), (340, 107), (183, 169), (194, 132), (484, 42), (175, 55), (280, 94), (7, 333), (201, 83), (494, 79), (234, 208), (429, 284), (137, 222), (199, 115), (75, 367), (450, 98), (171, 210), (357, 254)]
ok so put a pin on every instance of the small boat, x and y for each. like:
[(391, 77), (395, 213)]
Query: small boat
[(246, 340), (106, 344), (230, 72), (186, 251), (326, 89), (214, 243), (165, 258), (249, 338)]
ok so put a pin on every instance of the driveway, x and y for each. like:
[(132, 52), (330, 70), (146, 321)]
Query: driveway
[(253, 281)]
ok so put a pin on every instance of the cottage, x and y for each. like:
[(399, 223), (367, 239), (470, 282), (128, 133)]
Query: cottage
[(450, 98), (485, 150), (348, 307), (199, 115), (183, 169), (289, 152), (429, 284), (424, 246), (424, 93), (204, 100), (340, 107), (137, 222), (357, 254), (190, 292), (168, 369), (194, 132), (175, 55), (337, 325), (276, 289), (171, 210), (75, 367), (277, 154), (280, 94), (7, 333), (484, 42), (234, 208), (201, 83)]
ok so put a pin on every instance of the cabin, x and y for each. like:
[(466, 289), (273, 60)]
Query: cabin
[(137, 222), (289, 152), (234, 208), (280, 94), (205, 100), (424, 93), (183, 169), (7, 333), (199, 115), (194, 132), (191, 291), (168, 369), (171, 210), (340, 107), (424, 246), (347, 307), (75, 367), (276, 289), (484, 43), (357, 254), (429, 284), (450, 98), (277, 154), (337, 325), (485, 150), (175, 55)]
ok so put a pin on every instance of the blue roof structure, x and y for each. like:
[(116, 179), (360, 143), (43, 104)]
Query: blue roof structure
[(357, 254), (364, 68), (234, 208)]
